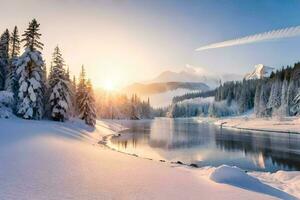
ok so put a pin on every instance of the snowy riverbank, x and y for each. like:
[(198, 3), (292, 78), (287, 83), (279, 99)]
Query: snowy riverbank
[(249, 122), (50, 160)]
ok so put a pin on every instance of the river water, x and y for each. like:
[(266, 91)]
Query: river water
[(204, 144)]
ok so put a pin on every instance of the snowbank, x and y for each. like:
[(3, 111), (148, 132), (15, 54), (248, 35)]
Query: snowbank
[(52, 160), (236, 177), (287, 125), (283, 180)]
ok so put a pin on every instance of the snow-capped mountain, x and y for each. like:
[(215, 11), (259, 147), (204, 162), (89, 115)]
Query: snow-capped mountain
[(195, 74), (260, 71)]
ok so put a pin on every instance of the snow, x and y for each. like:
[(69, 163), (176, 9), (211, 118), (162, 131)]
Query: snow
[(6, 104), (235, 176), (249, 122), (259, 72), (283, 180), (52, 160)]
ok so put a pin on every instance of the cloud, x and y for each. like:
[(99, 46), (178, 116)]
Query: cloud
[(265, 36)]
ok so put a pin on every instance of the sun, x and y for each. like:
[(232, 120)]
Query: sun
[(108, 85)]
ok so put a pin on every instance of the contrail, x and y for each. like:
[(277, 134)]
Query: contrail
[(275, 34)]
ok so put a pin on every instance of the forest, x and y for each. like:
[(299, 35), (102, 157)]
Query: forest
[(28, 92), (274, 96)]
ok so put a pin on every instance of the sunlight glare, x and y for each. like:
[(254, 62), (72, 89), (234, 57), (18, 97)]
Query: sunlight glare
[(108, 85)]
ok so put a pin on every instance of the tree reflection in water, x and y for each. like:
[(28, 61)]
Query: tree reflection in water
[(207, 144)]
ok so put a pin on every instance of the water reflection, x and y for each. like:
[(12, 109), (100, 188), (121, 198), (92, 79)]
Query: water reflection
[(205, 144)]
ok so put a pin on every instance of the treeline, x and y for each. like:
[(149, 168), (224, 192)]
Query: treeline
[(118, 106), (29, 92), (192, 95), (277, 95)]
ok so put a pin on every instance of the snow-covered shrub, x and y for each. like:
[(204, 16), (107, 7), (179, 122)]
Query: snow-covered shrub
[(6, 104)]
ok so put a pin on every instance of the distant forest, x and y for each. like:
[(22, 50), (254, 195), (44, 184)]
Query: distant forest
[(277, 95)]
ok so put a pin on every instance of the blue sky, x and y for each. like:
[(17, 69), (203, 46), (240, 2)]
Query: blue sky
[(131, 41)]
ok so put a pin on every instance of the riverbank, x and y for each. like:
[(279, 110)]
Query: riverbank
[(249, 122), (51, 160)]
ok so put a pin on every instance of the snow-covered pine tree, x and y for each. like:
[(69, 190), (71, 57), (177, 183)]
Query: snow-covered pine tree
[(87, 106), (80, 92), (296, 105), (291, 94), (73, 97), (256, 100), (30, 72), (59, 89), (4, 58), (12, 80), (263, 100), (275, 97), (284, 100)]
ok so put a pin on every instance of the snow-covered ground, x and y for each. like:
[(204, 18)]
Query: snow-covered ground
[(51, 160), (249, 122)]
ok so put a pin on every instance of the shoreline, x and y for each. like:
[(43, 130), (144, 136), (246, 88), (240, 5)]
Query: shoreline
[(271, 179), (288, 125), (215, 121)]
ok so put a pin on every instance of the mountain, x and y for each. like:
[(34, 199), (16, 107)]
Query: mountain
[(195, 74), (154, 88), (161, 94), (259, 72)]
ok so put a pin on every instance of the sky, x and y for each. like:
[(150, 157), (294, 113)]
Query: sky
[(124, 41)]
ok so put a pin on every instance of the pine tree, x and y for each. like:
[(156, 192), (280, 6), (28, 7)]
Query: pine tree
[(80, 92), (284, 99), (59, 89), (4, 58), (12, 81), (257, 99), (15, 43), (32, 36), (275, 97), (30, 70), (88, 106), (291, 94), (263, 100), (85, 100), (296, 105), (73, 96)]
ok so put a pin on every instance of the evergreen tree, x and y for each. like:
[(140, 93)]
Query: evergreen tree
[(88, 106), (32, 36), (15, 43), (4, 58), (263, 100), (80, 92), (284, 99), (257, 99), (12, 81), (85, 100), (30, 70), (296, 105), (59, 89), (73, 96), (275, 96), (291, 94)]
